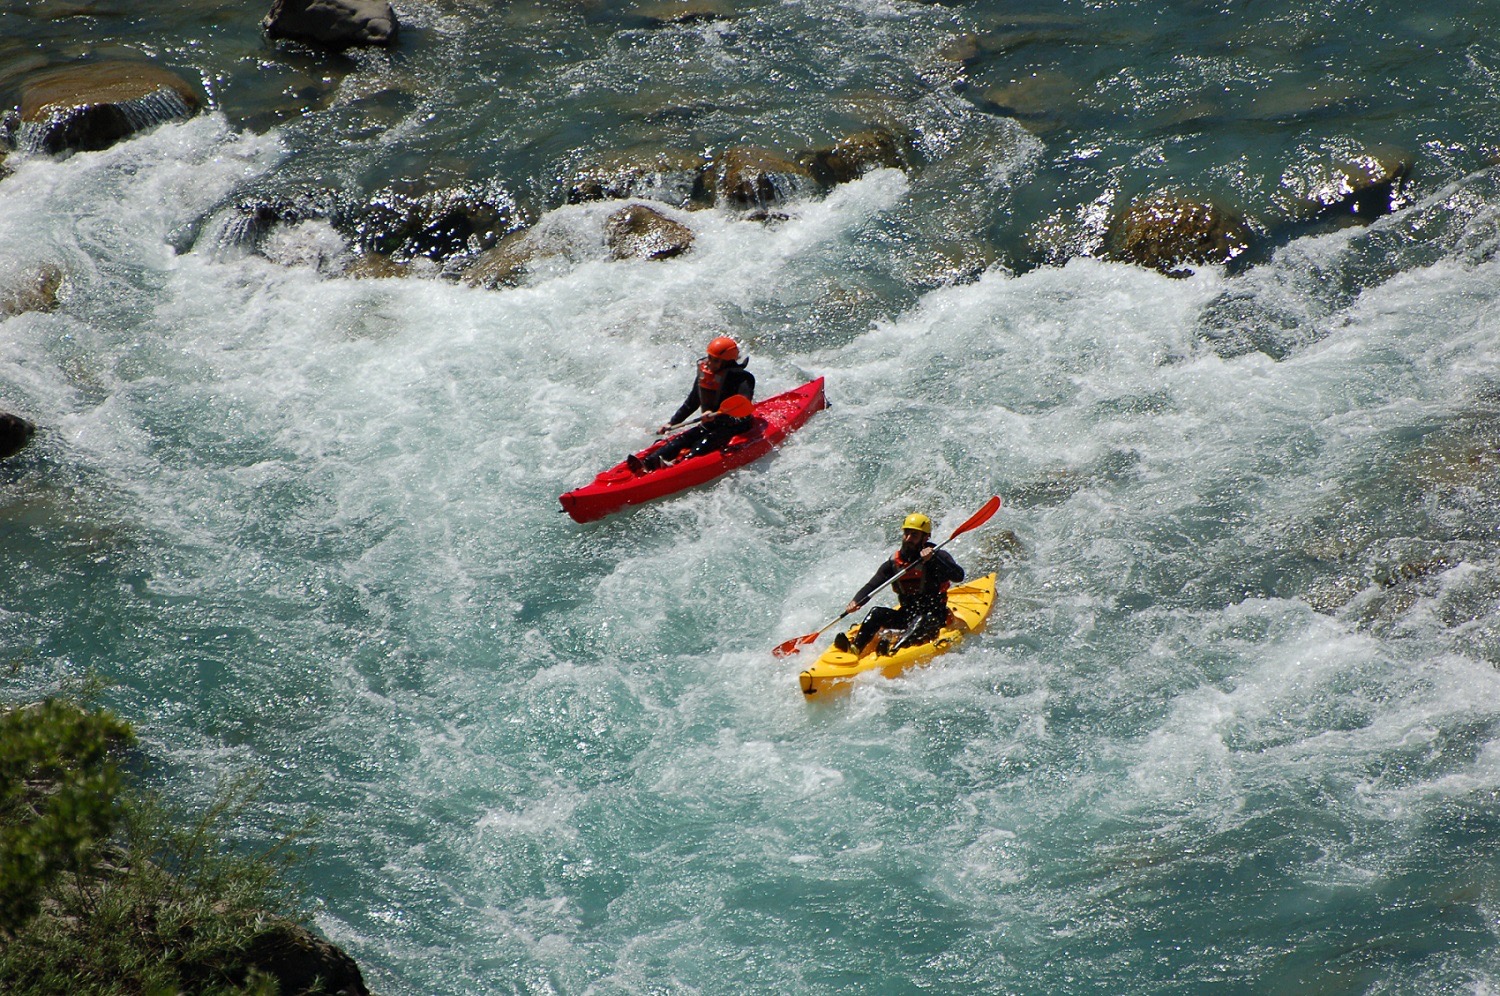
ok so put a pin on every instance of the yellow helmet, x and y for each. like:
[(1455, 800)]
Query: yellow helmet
[(917, 521)]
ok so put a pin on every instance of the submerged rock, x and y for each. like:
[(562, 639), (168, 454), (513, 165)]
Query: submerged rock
[(15, 433), (1165, 232), (639, 232), (855, 155), (92, 106), (247, 222), (1361, 189), (1041, 101), (34, 291), (569, 237), (333, 23), (962, 49)]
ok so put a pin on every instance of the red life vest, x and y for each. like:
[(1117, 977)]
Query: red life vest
[(710, 382), (911, 584)]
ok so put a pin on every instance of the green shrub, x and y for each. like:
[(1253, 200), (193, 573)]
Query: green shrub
[(59, 789), (105, 889)]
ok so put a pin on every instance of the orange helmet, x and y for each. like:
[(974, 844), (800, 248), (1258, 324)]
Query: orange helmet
[(724, 348)]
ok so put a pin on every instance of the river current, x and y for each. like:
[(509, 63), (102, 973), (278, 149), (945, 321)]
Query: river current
[(1235, 723)]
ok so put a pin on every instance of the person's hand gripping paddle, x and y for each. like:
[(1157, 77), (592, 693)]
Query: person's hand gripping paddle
[(734, 406)]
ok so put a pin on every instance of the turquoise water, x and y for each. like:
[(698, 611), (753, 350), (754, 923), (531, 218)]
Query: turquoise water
[(1233, 726)]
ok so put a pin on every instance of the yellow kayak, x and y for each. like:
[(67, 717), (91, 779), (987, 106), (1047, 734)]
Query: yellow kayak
[(968, 607)]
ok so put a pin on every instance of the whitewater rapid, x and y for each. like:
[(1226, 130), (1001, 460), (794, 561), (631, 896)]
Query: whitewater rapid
[(308, 527)]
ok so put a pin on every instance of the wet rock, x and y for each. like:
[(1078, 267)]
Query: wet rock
[(855, 155), (374, 266), (1361, 189), (92, 106), (684, 12), (639, 232), (336, 24), (314, 245), (1003, 548), (503, 265), (304, 963), (15, 433), (757, 178), (764, 217), (402, 223), (1166, 232), (668, 175), (1414, 570), (963, 49), (34, 291), (250, 220), (406, 222)]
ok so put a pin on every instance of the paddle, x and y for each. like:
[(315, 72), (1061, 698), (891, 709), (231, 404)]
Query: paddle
[(735, 406), (979, 518)]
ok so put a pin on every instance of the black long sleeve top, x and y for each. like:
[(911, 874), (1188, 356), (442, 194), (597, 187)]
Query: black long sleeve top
[(938, 570), (737, 380)]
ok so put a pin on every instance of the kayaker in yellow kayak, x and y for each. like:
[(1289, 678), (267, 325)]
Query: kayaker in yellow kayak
[(721, 375), (923, 590)]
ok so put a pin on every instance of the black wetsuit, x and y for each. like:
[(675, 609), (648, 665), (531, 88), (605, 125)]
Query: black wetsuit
[(714, 433), (924, 598)]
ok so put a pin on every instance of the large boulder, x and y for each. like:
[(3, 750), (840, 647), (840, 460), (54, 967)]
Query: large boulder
[(1166, 232), (92, 106), (757, 178), (15, 433), (403, 221), (639, 232), (407, 220), (333, 23)]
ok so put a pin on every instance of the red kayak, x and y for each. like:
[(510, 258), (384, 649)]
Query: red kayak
[(618, 486)]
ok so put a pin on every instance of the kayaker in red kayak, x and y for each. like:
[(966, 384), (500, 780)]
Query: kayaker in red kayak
[(721, 375), (923, 590)]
